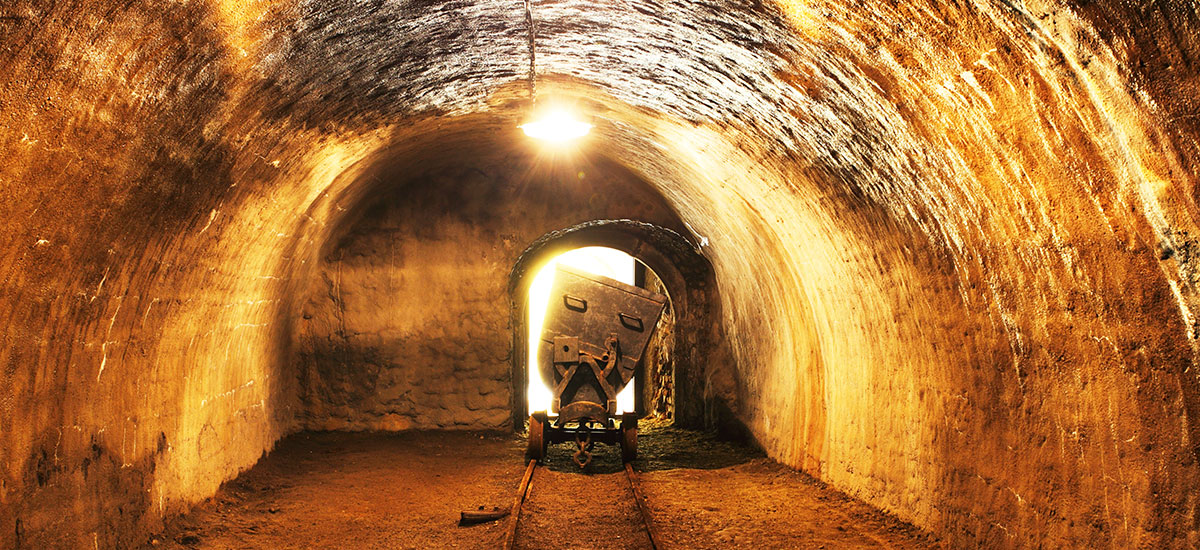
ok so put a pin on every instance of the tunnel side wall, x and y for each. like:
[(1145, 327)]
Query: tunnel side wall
[(139, 290), (1003, 319)]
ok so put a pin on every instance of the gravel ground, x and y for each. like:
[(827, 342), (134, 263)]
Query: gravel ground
[(405, 490)]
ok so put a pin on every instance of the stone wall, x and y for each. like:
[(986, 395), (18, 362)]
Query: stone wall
[(658, 391), (407, 325)]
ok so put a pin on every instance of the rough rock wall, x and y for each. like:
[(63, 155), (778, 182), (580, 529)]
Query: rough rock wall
[(1004, 339), (658, 390), (955, 240), (408, 324), (140, 288)]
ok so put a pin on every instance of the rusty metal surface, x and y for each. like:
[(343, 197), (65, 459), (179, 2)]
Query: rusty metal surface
[(643, 507), (473, 517), (591, 307)]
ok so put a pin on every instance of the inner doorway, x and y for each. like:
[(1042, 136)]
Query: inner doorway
[(652, 392)]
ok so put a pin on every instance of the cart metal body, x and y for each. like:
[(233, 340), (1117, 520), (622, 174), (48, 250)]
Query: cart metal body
[(594, 334)]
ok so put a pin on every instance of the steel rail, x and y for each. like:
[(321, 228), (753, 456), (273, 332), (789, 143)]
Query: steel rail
[(514, 518), (642, 507)]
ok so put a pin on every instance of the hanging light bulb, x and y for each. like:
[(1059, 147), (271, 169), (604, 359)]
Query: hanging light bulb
[(556, 126)]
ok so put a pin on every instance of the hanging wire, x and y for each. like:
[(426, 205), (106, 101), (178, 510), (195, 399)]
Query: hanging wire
[(532, 59)]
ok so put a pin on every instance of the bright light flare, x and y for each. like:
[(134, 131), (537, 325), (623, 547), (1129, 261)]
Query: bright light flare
[(557, 126), (600, 260)]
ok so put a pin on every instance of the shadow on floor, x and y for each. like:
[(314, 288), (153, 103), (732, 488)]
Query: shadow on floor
[(661, 446)]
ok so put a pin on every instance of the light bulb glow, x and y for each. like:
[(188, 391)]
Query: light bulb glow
[(556, 126)]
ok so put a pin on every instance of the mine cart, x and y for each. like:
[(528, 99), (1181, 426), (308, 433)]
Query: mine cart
[(593, 337)]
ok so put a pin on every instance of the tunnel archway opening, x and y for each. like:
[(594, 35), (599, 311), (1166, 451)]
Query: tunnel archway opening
[(671, 263)]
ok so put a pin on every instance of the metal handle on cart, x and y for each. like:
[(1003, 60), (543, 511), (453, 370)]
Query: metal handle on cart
[(574, 303), (632, 323)]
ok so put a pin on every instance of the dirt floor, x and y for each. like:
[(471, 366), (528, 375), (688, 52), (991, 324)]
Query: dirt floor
[(406, 490), (569, 510)]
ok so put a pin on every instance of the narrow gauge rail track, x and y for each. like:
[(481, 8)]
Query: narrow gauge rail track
[(526, 486)]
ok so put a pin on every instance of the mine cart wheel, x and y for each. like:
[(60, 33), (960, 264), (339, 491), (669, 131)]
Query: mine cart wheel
[(536, 447), (629, 440)]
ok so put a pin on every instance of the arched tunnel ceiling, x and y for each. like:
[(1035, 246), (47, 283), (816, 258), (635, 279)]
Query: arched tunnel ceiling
[(954, 240)]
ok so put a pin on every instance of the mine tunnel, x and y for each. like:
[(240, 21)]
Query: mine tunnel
[(922, 271)]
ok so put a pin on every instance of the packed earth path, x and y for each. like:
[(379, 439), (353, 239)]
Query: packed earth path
[(407, 490)]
